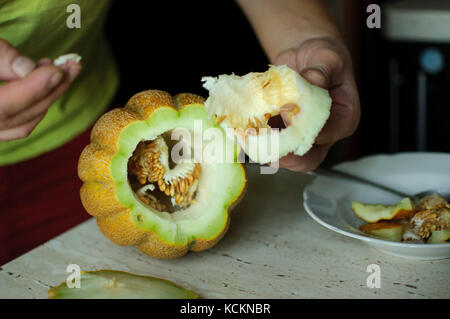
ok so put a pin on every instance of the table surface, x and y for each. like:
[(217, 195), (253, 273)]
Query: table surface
[(273, 249)]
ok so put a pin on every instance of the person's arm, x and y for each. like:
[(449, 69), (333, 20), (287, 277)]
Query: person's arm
[(303, 35)]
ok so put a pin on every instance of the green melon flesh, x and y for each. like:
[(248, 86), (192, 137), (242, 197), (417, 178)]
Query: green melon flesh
[(439, 236), (373, 213), (220, 183), (109, 284)]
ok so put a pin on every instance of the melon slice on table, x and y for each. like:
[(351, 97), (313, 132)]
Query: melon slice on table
[(137, 191), (110, 284)]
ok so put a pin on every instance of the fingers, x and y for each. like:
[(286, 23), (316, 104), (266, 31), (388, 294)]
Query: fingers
[(13, 65), (287, 57), (344, 117), (32, 89), (327, 64), (18, 95), (308, 162), (317, 75), (30, 108), (44, 61), (21, 131), (322, 62)]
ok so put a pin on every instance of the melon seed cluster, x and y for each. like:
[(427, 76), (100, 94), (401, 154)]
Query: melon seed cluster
[(146, 166)]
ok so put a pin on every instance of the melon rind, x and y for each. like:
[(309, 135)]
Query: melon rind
[(107, 194), (111, 284)]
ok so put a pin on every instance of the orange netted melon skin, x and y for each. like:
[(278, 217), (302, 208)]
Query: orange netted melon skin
[(98, 190)]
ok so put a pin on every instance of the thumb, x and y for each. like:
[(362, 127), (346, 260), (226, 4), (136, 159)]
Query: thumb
[(13, 65), (317, 75)]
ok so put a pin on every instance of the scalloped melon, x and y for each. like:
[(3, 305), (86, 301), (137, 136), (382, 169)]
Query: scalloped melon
[(140, 196)]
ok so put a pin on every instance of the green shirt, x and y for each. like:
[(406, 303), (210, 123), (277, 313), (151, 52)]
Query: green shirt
[(38, 29)]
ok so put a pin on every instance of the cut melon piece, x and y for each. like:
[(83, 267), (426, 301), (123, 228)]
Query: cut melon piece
[(386, 230), (244, 105), (439, 236), (140, 194), (109, 284), (373, 213), (63, 59)]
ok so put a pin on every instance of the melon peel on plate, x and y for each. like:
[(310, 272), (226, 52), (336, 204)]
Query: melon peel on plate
[(246, 103), (388, 230), (373, 213), (139, 197)]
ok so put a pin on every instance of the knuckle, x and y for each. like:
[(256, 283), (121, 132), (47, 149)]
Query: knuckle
[(334, 58)]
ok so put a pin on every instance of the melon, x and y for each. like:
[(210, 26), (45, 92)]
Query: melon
[(140, 195), (243, 105)]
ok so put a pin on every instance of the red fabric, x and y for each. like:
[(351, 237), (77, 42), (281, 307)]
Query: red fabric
[(40, 199)]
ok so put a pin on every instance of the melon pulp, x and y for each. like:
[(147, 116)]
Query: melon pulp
[(245, 104), (110, 193)]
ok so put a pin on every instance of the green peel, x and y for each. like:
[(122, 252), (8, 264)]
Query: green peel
[(110, 284)]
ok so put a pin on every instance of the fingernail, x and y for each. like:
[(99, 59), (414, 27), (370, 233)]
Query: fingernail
[(55, 79), (316, 76), (23, 65)]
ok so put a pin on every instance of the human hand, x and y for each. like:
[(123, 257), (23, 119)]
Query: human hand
[(31, 89), (324, 62)]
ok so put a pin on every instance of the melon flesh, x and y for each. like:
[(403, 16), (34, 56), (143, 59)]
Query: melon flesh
[(248, 102)]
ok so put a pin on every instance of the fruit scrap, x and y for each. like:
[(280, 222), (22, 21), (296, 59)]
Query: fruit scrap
[(387, 230), (429, 220), (433, 214)]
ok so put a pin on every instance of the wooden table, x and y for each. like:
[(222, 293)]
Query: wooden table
[(272, 250)]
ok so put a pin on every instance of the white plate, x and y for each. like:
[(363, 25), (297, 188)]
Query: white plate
[(328, 200)]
